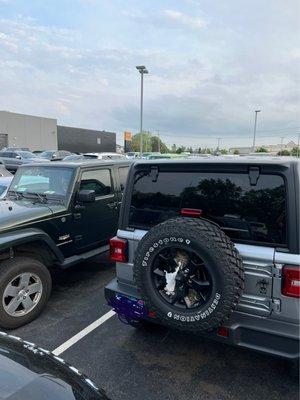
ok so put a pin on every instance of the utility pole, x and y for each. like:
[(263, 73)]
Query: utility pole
[(219, 140), (298, 144), (281, 144), (142, 70), (158, 141), (254, 131)]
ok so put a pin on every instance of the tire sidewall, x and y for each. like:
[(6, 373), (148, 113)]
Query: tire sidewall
[(12, 269), (205, 317)]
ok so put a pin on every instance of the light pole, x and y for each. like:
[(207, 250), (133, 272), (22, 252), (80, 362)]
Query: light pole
[(218, 146), (254, 131), (142, 70), (281, 144)]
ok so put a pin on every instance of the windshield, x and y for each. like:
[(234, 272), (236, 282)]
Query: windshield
[(46, 154), (2, 189), (49, 181), (26, 154)]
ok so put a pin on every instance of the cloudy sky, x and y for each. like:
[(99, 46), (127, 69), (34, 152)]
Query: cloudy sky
[(211, 64)]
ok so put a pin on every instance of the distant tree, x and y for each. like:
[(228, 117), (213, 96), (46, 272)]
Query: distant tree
[(190, 149), (295, 152), (199, 150), (174, 148), (180, 149), (236, 152), (206, 150), (261, 150), (150, 143), (284, 153), (223, 151)]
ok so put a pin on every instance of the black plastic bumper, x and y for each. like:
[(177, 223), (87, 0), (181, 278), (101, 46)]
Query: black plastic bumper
[(257, 333)]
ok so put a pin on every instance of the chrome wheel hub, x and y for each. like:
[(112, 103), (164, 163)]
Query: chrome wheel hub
[(22, 294)]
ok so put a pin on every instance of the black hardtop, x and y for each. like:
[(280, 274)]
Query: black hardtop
[(246, 160)]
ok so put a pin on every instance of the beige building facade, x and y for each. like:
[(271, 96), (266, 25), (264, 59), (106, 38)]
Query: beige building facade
[(28, 131)]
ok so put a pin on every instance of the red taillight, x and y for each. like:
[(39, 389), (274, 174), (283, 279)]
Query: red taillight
[(223, 331), (191, 212), (118, 249), (291, 281)]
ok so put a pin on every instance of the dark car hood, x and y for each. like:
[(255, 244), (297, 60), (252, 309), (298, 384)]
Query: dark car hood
[(30, 373), (19, 212)]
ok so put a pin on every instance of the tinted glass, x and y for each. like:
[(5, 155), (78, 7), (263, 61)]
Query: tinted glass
[(244, 212), (123, 172), (98, 180)]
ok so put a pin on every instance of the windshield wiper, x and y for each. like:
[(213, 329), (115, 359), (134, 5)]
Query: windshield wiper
[(18, 195), (41, 196)]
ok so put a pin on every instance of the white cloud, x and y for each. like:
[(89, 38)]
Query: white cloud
[(184, 19)]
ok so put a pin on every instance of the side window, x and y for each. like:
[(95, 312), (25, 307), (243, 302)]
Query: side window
[(98, 180), (123, 172)]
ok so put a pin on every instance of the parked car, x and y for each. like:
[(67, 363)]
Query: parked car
[(28, 372), (15, 149), (132, 154), (107, 156), (54, 216), (80, 157), (54, 155), (13, 159), (212, 246), (150, 153), (5, 179)]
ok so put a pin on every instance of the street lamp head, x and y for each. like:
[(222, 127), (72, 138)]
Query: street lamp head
[(142, 69), (257, 111)]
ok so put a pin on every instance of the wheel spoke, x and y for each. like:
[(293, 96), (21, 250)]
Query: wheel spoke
[(159, 272), (11, 291), (24, 280), (34, 288), (27, 303), (13, 305), (199, 285)]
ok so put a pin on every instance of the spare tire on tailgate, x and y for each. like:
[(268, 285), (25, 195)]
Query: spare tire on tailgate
[(189, 273)]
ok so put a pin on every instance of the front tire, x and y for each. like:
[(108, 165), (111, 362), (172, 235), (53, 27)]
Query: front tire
[(25, 287)]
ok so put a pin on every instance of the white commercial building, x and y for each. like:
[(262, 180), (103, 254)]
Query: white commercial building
[(20, 130)]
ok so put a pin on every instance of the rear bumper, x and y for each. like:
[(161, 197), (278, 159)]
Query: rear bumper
[(257, 333)]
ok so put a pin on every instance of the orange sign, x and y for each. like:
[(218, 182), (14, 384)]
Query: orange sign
[(127, 136)]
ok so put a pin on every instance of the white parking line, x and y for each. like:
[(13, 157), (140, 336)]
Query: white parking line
[(74, 339)]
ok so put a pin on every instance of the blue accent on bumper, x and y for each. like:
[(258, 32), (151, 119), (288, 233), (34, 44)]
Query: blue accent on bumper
[(129, 309)]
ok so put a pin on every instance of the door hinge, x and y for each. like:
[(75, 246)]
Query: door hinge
[(77, 238), (253, 175), (77, 216), (277, 270), (275, 306), (154, 173)]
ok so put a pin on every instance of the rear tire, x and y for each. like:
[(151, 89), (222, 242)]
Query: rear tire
[(25, 287), (189, 273)]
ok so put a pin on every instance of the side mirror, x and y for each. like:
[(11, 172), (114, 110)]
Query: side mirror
[(86, 196), (18, 157)]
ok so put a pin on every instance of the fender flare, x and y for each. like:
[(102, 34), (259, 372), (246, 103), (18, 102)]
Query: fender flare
[(22, 236)]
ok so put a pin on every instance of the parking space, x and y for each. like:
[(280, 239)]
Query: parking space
[(163, 364)]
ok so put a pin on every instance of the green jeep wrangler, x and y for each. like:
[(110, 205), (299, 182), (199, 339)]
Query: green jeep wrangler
[(53, 216)]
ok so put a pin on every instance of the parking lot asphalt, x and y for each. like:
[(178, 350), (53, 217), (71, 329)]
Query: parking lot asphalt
[(139, 365)]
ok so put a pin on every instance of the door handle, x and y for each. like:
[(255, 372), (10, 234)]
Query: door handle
[(112, 205)]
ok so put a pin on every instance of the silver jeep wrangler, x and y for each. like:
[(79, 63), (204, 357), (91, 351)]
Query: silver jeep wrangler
[(212, 246)]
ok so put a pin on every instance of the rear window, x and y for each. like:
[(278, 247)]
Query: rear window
[(246, 213)]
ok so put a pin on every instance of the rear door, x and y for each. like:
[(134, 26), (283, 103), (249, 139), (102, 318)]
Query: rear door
[(96, 222), (247, 202)]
